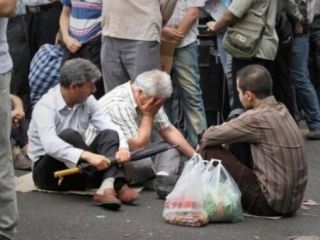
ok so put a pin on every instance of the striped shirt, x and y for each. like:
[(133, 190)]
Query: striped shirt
[(178, 14), (85, 19), (123, 110), (277, 151)]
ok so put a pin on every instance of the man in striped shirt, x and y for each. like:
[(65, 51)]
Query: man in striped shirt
[(136, 107), (273, 176), (80, 25)]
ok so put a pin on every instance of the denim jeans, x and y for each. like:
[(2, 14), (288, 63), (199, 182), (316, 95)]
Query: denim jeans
[(226, 61), (187, 81), (299, 74), (8, 200)]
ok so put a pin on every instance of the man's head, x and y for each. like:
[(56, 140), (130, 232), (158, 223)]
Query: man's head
[(254, 83), (78, 77), (154, 83)]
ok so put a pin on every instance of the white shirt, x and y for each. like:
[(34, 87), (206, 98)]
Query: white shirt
[(123, 110), (36, 2), (178, 14), (51, 116)]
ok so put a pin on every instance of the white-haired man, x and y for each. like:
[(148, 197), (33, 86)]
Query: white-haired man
[(136, 107)]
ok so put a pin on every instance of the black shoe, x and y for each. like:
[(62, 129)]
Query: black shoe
[(163, 185)]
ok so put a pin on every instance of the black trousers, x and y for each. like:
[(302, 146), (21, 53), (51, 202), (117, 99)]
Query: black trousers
[(238, 64), (282, 83), (106, 143), (90, 51), (19, 136), (43, 26)]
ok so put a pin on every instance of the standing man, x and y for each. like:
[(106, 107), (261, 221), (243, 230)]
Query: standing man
[(268, 45), (131, 38), (80, 25), (43, 22), (56, 138), (8, 201), (182, 28), (272, 176)]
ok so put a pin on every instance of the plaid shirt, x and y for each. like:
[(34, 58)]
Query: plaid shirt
[(277, 150), (123, 111), (178, 14), (44, 70)]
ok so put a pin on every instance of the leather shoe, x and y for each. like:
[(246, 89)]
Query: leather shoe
[(314, 134), (127, 195), (107, 200)]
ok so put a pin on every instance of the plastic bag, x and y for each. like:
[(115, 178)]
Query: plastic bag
[(184, 205), (222, 201)]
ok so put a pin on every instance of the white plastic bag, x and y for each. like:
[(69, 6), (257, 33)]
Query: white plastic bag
[(222, 201), (184, 205)]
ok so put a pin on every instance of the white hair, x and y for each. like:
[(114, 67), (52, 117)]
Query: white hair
[(154, 83)]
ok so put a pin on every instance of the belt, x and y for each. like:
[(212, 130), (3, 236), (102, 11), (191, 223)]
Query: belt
[(40, 8)]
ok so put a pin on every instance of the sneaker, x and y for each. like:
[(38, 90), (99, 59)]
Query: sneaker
[(164, 185), (314, 134), (107, 200), (127, 195), (20, 160)]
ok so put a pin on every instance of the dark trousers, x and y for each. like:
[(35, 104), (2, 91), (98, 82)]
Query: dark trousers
[(238, 64), (90, 51), (314, 59), (17, 34), (43, 26), (282, 83), (252, 199), (106, 143)]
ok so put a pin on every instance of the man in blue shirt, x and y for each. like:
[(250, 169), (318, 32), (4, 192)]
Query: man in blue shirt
[(56, 138)]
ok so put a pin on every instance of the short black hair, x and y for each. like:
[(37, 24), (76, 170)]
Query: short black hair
[(257, 79)]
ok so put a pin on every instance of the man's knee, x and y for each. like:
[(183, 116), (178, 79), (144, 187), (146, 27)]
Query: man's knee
[(110, 135), (68, 135)]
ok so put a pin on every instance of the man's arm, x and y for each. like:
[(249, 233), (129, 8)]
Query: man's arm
[(226, 20), (167, 8), (72, 44), (17, 112), (292, 9), (7, 7), (235, 131), (172, 136)]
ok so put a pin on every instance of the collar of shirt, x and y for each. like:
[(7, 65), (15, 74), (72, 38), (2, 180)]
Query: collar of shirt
[(61, 104)]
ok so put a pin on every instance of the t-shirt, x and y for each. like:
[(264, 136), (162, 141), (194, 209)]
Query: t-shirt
[(85, 19)]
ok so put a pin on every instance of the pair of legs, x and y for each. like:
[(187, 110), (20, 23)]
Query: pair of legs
[(122, 60), (186, 80), (252, 198), (8, 201), (106, 143)]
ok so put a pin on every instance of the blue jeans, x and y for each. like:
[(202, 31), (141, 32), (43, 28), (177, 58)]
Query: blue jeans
[(8, 200), (299, 74), (187, 81), (226, 61)]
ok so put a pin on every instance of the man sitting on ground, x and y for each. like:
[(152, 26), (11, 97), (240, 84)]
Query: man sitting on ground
[(272, 175), (59, 121), (136, 107)]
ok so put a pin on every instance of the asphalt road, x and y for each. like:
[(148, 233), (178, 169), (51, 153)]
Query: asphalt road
[(54, 216)]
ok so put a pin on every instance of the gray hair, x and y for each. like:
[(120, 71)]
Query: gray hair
[(154, 83), (78, 71)]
